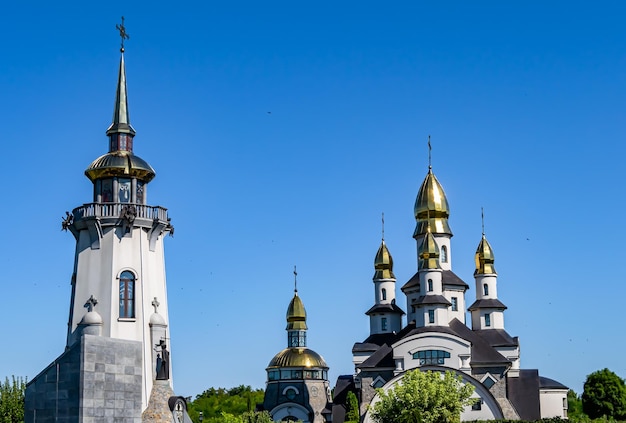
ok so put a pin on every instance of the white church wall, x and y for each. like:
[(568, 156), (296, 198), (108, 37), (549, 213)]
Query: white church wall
[(553, 403)]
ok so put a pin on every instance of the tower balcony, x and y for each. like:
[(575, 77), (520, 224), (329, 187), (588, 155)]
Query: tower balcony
[(96, 217)]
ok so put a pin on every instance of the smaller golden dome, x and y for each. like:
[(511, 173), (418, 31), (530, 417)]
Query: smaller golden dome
[(296, 314), (297, 357), (428, 253), (484, 258), (120, 163), (431, 207), (383, 263)]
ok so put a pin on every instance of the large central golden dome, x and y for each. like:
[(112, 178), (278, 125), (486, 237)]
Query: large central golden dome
[(297, 357), (431, 208)]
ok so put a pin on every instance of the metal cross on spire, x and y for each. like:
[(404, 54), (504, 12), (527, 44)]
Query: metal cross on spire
[(429, 151), (482, 218), (295, 279), (123, 34), (156, 304), (91, 303), (383, 223)]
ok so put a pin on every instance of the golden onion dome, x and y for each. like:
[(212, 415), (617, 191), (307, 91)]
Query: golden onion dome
[(296, 314), (428, 253), (431, 207), (484, 258), (383, 263), (120, 163), (297, 357)]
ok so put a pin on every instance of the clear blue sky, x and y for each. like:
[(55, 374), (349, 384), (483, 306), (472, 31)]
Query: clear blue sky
[(525, 102)]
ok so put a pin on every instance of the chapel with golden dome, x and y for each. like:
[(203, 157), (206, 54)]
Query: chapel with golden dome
[(297, 377)]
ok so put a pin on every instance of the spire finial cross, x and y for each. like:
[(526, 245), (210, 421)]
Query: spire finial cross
[(91, 303), (156, 304), (482, 218), (295, 279), (123, 34), (383, 223), (429, 155)]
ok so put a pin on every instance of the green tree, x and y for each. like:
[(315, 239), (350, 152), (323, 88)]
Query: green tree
[(575, 407), (352, 408), (604, 395), (219, 405), (12, 400), (423, 397)]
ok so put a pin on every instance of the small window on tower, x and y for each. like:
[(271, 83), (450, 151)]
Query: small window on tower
[(384, 294), (123, 185), (444, 254), (455, 303), (127, 295), (431, 316), (487, 319), (430, 285), (383, 324), (486, 289)]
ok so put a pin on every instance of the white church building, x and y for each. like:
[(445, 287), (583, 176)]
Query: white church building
[(436, 336)]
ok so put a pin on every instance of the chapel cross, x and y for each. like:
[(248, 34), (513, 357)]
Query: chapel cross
[(295, 279), (123, 34), (91, 303), (156, 304)]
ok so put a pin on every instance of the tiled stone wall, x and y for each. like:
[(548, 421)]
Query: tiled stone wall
[(97, 380)]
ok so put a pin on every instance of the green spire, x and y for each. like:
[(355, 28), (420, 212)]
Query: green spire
[(121, 119)]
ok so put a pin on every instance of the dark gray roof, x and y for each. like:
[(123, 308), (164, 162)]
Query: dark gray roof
[(426, 329), (413, 282), (487, 303), (373, 342), (482, 352), (523, 392), (448, 278), (385, 308), (345, 384), (432, 299), (381, 358), (547, 383), (498, 338)]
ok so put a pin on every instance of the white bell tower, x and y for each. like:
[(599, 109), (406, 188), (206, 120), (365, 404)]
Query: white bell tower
[(119, 256)]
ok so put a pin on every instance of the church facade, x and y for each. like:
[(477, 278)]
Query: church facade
[(436, 336)]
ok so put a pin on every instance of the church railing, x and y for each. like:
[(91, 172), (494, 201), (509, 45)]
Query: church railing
[(116, 210)]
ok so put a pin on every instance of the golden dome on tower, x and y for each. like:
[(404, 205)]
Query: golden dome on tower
[(431, 207), (296, 314), (383, 263), (297, 357), (484, 258), (428, 252)]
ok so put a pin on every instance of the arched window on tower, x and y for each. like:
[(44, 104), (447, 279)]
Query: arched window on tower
[(444, 254), (127, 295), (384, 294), (430, 285), (486, 289)]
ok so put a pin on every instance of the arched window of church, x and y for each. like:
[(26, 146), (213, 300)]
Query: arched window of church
[(486, 289), (384, 294), (444, 254), (127, 295), (430, 285)]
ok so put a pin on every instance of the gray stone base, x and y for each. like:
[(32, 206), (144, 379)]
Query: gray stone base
[(97, 380)]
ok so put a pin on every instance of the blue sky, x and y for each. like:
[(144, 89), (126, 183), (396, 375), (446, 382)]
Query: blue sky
[(280, 131)]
